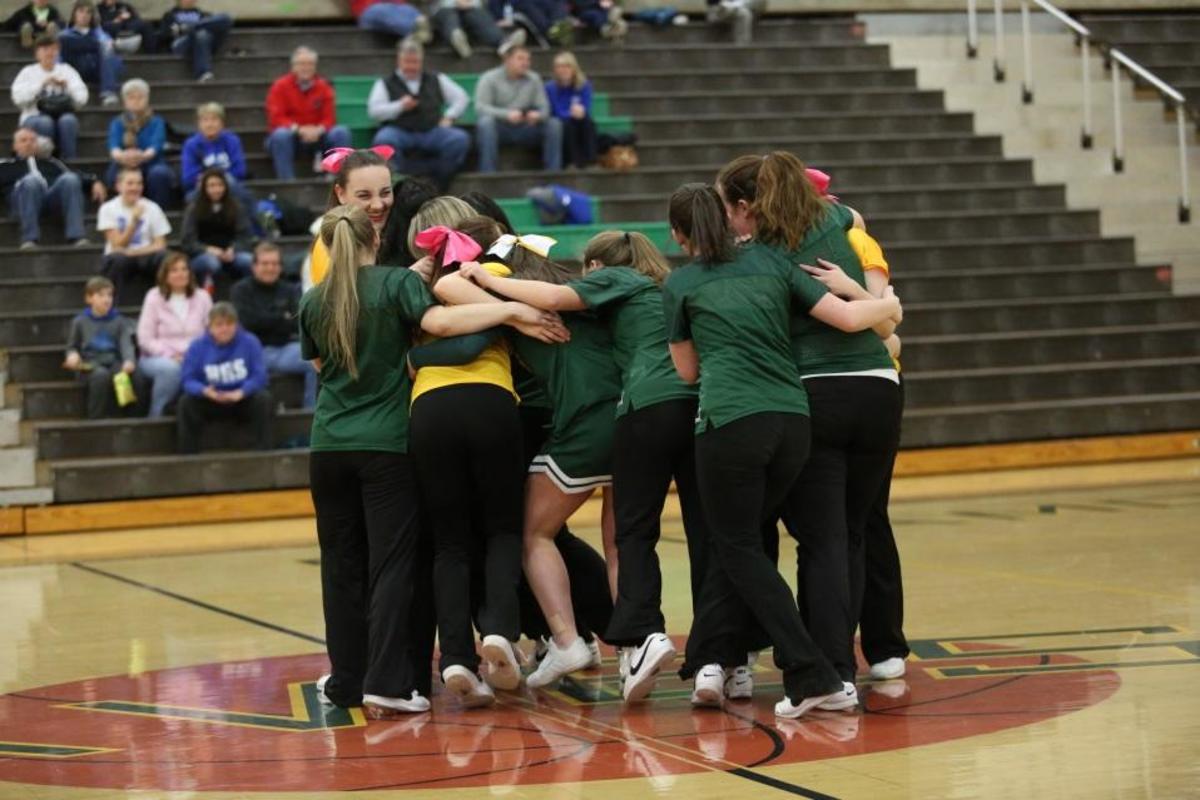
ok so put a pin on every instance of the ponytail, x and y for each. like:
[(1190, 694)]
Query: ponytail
[(696, 213), (778, 192), (618, 248), (346, 232)]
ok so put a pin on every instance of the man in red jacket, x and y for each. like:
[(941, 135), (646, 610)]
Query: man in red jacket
[(300, 115)]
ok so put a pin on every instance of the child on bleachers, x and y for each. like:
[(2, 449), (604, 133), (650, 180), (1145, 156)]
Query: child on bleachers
[(48, 94), (129, 31), (173, 314), (100, 347), (224, 377), (196, 35), (32, 20), (216, 231), (213, 146), (136, 139), (135, 231), (90, 50), (570, 95)]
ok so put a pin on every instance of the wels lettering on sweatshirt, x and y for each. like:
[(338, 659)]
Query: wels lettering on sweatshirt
[(226, 368)]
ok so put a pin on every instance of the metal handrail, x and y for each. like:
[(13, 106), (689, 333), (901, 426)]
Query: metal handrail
[(1117, 59)]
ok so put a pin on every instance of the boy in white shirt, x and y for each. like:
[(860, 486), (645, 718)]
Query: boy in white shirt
[(38, 86), (135, 231)]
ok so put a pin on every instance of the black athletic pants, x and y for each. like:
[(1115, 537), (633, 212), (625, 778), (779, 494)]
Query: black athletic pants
[(375, 569), (856, 431), (253, 412), (650, 446), (465, 442), (590, 595), (744, 469), (881, 621)]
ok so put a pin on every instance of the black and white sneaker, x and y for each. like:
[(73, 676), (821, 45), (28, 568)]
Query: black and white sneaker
[(846, 700), (645, 662), (709, 687), (321, 683)]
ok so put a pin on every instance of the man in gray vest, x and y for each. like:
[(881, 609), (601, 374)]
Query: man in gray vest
[(417, 109)]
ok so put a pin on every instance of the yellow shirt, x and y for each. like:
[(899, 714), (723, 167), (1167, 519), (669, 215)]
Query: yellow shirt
[(871, 255), (318, 263), (493, 366)]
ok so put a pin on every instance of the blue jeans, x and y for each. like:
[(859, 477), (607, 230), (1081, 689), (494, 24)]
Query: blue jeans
[(442, 150), (206, 265), (165, 375), (202, 41), (282, 144), (491, 132), (64, 132), (286, 360), (93, 62), (160, 181), (31, 197), (396, 19)]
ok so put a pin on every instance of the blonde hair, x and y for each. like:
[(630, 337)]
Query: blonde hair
[(346, 232), (211, 109), (621, 248), (444, 210), (567, 57)]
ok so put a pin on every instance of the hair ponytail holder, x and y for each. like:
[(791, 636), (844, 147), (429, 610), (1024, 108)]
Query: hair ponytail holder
[(335, 158), (534, 243), (821, 181), (455, 247)]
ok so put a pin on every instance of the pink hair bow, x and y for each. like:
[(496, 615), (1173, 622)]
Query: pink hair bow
[(820, 180), (333, 160), (458, 247)]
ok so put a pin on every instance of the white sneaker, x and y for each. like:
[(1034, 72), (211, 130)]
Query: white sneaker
[(739, 684), (845, 700), (597, 660), (380, 707), (465, 684), (709, 687), (888, 670), (559, 662), (459, 43), (324, 698), (645, 662), (623, 654), (502, 671), (421, 31), (788, 710)]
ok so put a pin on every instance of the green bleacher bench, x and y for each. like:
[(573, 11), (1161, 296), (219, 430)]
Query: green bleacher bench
[(353, 90)]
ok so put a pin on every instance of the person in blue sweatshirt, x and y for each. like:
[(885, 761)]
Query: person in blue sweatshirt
[(224, 377), (215, 147)]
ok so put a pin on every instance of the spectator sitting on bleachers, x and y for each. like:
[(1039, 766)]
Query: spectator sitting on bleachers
[(300, 115), (99, 346), (48, 94), (570, 96), (87, 48), (393, 17), (603, 16), (35, 185), (173, 314), (135, 230), (511, 107), (212, 146), (224, 377), (547, 20), (216, 231), (418, 109), (32, 20), (129, 31), (136, 138), (196, 35), (738, 14), (461, 22), (267, 307)]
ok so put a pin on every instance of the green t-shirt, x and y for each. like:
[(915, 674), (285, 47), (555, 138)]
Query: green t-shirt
[(370, 413), (821, 349), (575, 376), (631, 305), (737, 315)]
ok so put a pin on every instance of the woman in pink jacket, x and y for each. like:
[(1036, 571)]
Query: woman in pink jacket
[(174, 313)]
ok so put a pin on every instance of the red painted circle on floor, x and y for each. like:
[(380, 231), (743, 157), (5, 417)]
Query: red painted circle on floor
[(534, 738)]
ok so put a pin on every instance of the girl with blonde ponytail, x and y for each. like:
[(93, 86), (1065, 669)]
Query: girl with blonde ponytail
[(853, 392), (356, 328), (653, 440)]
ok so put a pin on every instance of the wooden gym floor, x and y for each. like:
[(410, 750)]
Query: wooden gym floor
[(1054, 637)]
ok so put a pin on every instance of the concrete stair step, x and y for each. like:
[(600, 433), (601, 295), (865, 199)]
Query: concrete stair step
[(36, 496), (10, 427), (17, 470), (1047, 313), (1155, 27)]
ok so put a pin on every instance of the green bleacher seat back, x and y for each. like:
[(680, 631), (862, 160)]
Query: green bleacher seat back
[(524, 217)]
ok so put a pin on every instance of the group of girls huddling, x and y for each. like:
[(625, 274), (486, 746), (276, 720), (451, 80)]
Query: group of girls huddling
[(475, 392)]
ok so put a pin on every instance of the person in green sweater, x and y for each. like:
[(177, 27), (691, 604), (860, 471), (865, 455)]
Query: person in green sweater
[(853, 391), (728, 315), (356, 326)]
